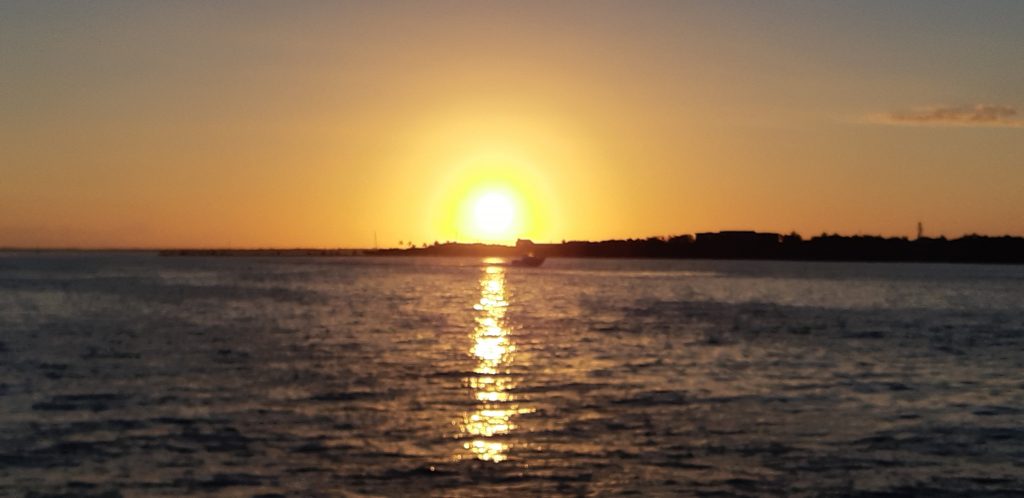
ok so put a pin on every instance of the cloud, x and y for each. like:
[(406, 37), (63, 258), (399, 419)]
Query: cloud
[(976, 115)]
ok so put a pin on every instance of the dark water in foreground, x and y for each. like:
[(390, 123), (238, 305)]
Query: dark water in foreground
[(136, 375)]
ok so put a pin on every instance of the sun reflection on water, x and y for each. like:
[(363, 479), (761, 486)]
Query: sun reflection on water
[(486, 428)]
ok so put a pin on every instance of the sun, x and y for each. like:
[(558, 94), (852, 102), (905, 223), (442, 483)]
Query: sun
[(492, 200), (493, 215)]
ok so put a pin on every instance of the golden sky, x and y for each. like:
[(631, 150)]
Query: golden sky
[(252, 124)]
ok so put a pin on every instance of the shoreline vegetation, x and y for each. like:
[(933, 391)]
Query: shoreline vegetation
[(710, 245)]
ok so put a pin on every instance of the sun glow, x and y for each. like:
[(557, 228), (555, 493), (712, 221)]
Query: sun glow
[(493, 197), (494, 215)]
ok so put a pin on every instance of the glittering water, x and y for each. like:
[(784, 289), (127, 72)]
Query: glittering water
[(134, 375)]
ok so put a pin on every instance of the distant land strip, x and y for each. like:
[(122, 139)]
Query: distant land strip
[(710, 245), (263, 252)]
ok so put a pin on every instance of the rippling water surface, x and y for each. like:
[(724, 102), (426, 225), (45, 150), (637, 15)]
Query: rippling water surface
[(135, 375)]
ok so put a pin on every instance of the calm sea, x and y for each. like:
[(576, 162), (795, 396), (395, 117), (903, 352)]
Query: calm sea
[(134, 375)]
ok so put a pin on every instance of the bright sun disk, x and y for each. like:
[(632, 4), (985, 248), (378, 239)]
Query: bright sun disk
[(494, 214)]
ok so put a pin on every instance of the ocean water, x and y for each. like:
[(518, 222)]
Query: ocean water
[(129, 374)]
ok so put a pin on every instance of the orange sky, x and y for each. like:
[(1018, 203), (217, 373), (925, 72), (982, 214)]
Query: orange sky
[(269, 125)]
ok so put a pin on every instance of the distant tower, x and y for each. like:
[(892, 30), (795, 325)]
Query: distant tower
[(920, 230)]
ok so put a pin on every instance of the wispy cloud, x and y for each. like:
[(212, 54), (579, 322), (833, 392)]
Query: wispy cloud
[(974, 115)]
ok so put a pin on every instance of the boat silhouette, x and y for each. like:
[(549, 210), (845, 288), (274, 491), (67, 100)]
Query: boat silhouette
[(527, 261)]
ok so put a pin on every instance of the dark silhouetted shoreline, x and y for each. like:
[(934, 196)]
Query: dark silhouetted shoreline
[(710, 245), (261, 252)]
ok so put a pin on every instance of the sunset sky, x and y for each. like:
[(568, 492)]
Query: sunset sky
[(281, 124)]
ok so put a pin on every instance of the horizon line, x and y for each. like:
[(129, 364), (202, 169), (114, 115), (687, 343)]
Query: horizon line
[(437, 242)]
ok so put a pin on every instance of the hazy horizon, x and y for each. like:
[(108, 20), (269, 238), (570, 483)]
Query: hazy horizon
[(444, 241)]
